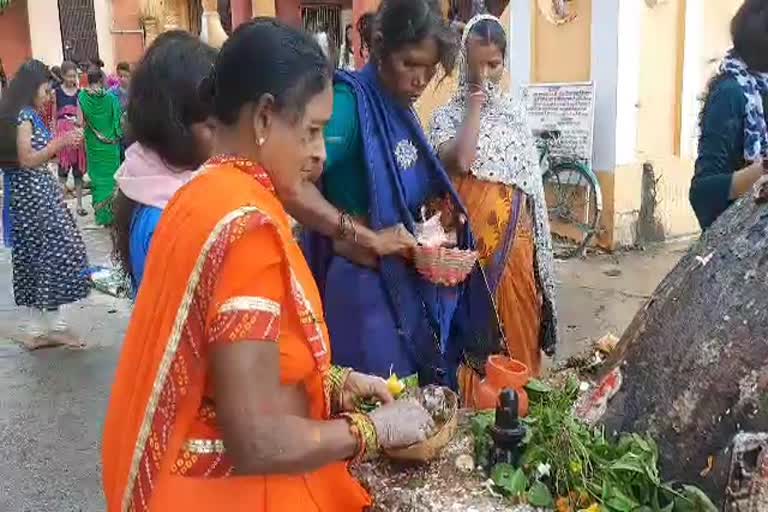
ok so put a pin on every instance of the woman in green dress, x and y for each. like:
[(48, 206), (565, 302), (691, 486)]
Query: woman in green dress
[(101, 119)]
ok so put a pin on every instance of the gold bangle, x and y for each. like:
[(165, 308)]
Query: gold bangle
[(337, 377), (361, 426), (347, 229)]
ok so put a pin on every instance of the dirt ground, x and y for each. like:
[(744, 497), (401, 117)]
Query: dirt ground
[(602, 293)]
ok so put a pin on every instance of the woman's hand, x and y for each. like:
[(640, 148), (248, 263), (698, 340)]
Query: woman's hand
[(477, 96), (395, 240), (359, 387), (71, 138), (401, 423)]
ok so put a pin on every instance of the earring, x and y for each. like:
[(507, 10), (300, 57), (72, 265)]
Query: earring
[(261, 141)]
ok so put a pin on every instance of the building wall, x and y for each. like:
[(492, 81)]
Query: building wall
[(127, 34), (45, 31), (562, 53), (102, 11), (16, 44), (675, 64)]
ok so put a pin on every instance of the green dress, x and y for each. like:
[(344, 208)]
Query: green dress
[(101, 113)]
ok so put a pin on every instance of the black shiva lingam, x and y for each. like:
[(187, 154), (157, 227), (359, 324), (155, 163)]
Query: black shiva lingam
[(508, 431)]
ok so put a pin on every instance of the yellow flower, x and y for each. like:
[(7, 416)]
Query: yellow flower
[(592, 508), (395, 385)]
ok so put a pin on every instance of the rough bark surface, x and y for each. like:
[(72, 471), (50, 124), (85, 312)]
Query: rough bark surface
[(694, 358)]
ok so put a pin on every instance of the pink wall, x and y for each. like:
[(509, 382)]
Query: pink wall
[(129, 47), (16, 46), (241, 11), (360, 7), (289, 11)]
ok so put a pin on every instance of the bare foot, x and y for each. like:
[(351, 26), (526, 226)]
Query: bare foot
[(38, 342), (68, 339)]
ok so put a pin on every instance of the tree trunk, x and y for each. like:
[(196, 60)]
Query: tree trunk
[(694, 358)]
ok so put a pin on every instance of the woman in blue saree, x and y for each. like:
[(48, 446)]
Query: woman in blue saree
[(380, 171)]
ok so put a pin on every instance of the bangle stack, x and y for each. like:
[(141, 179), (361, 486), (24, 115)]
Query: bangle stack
[(361, 426), (347, 230), (337, 377)]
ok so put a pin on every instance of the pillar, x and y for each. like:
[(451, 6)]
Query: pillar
[(615, 70), (360, 7), (518, 25)]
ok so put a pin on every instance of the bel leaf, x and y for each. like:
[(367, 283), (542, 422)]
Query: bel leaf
[(538, 386), (539, 496), (509, 480)]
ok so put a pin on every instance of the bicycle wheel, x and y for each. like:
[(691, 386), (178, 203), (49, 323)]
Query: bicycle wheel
[(574, 202)]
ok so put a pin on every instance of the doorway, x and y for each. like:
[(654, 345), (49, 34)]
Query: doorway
[(78, 30)]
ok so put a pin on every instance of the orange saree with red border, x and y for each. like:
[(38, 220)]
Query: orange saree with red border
[(223, 268)]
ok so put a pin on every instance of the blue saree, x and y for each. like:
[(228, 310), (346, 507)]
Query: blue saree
[(389, 319)]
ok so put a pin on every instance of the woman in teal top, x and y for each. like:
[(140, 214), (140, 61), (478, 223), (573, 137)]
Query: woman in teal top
[(733, 143), (345, 186), (380, 171)]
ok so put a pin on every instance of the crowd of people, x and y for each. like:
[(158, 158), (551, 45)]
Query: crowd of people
[(249, 348), (69, 118)]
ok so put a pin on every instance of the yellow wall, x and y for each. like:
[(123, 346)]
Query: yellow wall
[(659, 118), (562, 53)]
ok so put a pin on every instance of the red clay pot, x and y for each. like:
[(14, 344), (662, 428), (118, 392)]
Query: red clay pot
[(502, 372)]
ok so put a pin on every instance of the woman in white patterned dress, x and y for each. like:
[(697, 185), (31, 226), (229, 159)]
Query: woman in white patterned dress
[(482, 137)]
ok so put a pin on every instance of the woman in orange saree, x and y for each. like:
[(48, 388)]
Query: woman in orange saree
[(484, 140), (224, 397)]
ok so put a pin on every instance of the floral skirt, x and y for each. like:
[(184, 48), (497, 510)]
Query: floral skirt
[(491, 208), (48, 255)]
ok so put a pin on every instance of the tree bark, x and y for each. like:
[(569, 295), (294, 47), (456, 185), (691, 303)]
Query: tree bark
[(694, 358)]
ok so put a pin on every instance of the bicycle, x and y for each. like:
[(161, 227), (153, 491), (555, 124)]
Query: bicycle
[(574, 198)]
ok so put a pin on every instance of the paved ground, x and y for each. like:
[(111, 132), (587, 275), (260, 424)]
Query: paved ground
[(52, 402)]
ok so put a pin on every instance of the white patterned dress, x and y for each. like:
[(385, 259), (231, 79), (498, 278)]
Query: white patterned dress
[(49, 258)]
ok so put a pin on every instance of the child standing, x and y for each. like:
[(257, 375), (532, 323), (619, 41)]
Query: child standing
[(68, 118), (120, 90)]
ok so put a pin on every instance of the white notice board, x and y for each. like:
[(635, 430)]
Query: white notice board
[(568, 108)]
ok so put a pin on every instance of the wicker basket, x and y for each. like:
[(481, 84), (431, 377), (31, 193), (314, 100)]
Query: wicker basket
[(446, 266), (431, 448)]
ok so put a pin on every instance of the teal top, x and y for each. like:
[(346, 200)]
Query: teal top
[(344, 178)]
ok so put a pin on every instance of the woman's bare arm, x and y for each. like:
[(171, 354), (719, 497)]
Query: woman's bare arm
[(459, 153), (29, 157), (307, 205), (263, 432), (55, 110)]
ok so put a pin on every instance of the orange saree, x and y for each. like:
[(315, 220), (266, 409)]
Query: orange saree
[(490, 207), (223, 267)]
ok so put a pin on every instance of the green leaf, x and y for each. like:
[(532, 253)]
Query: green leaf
[(693, 500), (538, 386), (411, 382), (620, 502), (629, 462), (539, 496), (509, 480)]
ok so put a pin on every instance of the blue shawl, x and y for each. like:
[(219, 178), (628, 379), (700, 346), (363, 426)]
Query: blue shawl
[(399, 182)]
